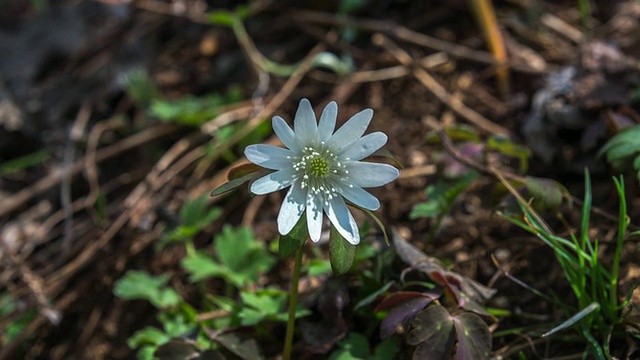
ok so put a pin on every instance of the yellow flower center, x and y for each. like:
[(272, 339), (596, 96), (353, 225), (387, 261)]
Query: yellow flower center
[(318, 166)]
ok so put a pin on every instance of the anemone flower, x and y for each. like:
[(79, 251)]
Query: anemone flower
[(322, 168)]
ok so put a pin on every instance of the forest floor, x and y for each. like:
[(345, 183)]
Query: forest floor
[(115, 114)]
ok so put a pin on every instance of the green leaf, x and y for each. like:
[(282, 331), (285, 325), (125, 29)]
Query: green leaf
[(593, 307), (241, 170), (190, 110), (147, 336), (265, 303), (176, 323), (234, 246), (195, 213), (341, 253), (374, 295), (624, 149), (141, 285), (240, 345), (176, 350), (19, 324), (387, 349), (442, 195), (141, 88), (232, 184), (291, 242), (23, 162), (241, 259), (317, 267), (243, 256), (460, 132), (221, 17), (505, 146), (353, 347), (429, 209), (547, 193), (201, 266), (226, 18), (433, 333), (146, 352)]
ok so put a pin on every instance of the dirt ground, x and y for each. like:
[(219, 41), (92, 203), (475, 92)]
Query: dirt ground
[(114, 178)]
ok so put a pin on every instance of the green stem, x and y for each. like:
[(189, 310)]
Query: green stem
[(293, 304), (623, 222)]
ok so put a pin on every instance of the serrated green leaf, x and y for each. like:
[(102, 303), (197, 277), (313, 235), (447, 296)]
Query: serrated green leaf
[(193, 211), (201, 266), (176, 324), (341, 253), (243, 257), (269, 301), (264, 304), (141, 285), (233, 246), (290, 243)]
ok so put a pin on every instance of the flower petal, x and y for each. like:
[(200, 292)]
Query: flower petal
[(351, 131), (366, 174), (292, 208), (267, 156), (284, 132), (360, 197), (365, 146), (327, 121), (273, 182), (314, 217), (304, 124), (342, 220)]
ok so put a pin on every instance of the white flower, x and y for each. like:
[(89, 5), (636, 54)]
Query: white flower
[(321, 167)]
